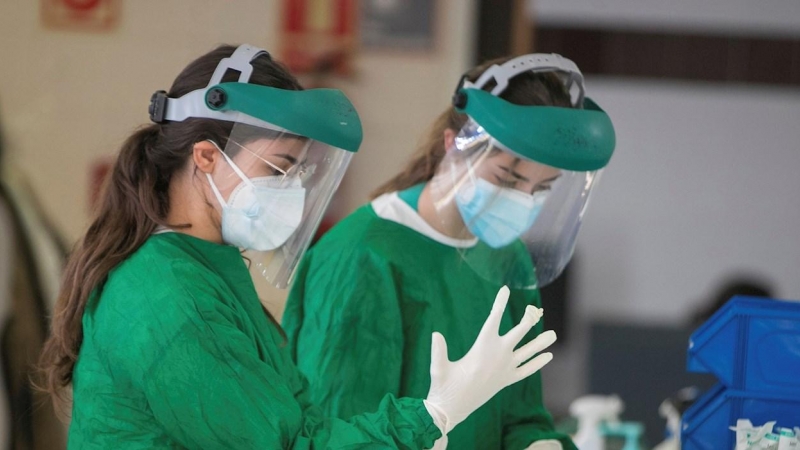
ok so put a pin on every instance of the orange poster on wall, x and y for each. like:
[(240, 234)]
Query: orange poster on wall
[(319, 35), (90, 15)]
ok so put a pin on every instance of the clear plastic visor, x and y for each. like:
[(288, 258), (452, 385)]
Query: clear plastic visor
[(273, 188), (523, 215)]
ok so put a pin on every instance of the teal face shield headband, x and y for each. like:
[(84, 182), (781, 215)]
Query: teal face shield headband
[(284, 157), (517, 178), (325, 115), (581, 138)]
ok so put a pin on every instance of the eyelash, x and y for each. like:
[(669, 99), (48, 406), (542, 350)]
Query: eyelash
[(512, 183), (506, 183)]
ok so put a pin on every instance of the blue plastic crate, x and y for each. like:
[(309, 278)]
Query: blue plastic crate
[(751, 344), (705, 424)]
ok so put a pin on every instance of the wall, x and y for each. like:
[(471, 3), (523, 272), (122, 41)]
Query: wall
[(398, 94), (703, 185), (768, 17), (69, 98)]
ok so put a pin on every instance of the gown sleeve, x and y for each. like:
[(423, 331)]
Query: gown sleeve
[(209, 387), (345, 331)]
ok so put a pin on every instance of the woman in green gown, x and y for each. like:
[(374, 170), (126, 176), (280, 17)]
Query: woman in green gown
[(494, 196)]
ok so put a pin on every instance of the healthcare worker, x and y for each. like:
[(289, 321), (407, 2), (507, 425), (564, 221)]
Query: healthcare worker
[(494, 197), (158, 329)]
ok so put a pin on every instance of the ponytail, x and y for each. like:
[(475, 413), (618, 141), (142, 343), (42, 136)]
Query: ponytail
[(127, 215), (134, 202), (425, 161)]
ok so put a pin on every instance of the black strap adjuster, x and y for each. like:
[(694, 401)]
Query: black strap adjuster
[(459, 96), (158, 106)]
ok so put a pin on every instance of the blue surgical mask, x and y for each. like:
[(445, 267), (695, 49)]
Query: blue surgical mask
[(261, 214), (497, 215)]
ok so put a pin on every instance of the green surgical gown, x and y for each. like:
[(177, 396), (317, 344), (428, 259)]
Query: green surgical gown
[(178, 353), (360, 315)]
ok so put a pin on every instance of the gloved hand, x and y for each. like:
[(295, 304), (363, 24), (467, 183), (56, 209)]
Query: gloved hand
[(459, 388)]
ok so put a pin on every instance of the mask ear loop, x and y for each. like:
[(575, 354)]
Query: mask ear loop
[(235, 168), (216, 191)]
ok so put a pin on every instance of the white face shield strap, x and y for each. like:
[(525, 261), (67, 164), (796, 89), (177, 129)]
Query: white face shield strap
[(290, 146), (535, 62), (193, 104)]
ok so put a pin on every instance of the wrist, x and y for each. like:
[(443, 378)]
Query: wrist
[(439, 417)]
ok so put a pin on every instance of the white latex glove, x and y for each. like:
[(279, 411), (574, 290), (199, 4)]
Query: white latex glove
[(547, 444), (459, 388)]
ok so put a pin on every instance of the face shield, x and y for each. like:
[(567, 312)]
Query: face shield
[(517, 179), (282, 162)]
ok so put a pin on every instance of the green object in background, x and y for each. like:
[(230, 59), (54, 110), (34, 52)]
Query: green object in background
[(178, 353), (631, 432), (567, 425)]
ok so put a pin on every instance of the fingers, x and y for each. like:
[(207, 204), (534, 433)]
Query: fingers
[(533, 366), (498, 308), (533, 313), (529, 320), (438, 353), (540, 343)]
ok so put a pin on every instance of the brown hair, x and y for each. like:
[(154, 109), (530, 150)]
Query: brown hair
[(135, 200), (527, 88)]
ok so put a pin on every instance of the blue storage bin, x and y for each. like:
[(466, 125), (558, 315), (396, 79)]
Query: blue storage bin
[(751, 344), (705, 424)]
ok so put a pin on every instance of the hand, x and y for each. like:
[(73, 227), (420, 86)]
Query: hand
[(459, 388)]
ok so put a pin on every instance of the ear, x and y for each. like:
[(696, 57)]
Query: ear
[(205, 156), (449, 139)]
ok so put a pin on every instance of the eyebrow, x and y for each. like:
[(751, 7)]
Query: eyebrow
[(287, 157), (526, 179), (515, 174)]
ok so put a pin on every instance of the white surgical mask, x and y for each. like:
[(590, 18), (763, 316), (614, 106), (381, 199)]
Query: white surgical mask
[(260, 214)]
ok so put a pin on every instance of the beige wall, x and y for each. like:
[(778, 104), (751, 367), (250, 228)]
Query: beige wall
[(68, 98)]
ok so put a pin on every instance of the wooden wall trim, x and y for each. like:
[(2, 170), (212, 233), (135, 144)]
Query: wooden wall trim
[(653, 54)]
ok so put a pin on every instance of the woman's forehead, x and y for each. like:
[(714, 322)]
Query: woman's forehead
[(508, 160)]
